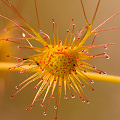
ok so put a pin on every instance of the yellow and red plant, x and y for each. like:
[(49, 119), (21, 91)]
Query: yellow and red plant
[(63, 64)]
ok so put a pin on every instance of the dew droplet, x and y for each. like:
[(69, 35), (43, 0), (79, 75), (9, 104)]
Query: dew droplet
[(52, 96), (23, 34), (105, 47), (88, 102), (9, 68), (46, 45), (96, 34), (73, 25), (104, 73), (83, 100), (105, 53), (92, 81), (83, 85), (16, 87), (94, 67), (31, 106), (107, 57), (65, 97), (55, 107), (35, 87), (44, 113), (42, 105), (6, 39), (73, 96), (82, 51), (53, 23), (18, 47), (68, 31)]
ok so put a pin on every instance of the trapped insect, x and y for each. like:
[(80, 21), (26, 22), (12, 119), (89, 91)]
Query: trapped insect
[(62, 64)]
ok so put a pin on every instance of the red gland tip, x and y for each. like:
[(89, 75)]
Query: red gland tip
[(75, 73), (65, 97), (35, 87), (104, 53), (107, 57), (100, 72), (44, 113), (18, 47), (82, 51), (73, 25), (45, 37), (86, 27), (60, 41), (96, 34), (53, 20), (18, 59), (68, 31), (73, 96), (7, 56), (53, 23), (83, 85), (105, 47), (88, 102), (93, 89), (42, 105), (6, 39), (94, 56), (104, 73), (9, 68), (26, 109), (65, 47), (12, 96), (56, 118), (94, 67), (52, 96), (83, 100), (16, 87), (92, 81), (31, 106), (55, 107)]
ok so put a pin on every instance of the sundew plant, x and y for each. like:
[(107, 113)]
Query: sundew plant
[(60, 65)]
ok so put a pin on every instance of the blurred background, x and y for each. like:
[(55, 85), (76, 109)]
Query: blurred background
[(105, 101)]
